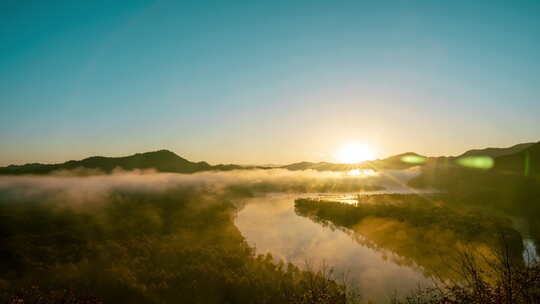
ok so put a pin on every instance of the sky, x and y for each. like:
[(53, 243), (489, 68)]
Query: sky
[(258, 82)]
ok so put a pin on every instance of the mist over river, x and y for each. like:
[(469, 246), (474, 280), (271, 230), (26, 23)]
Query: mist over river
[(270, 224)]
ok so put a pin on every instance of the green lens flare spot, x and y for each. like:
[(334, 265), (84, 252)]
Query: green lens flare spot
[(527, 165), (413, 159), (477, 162)]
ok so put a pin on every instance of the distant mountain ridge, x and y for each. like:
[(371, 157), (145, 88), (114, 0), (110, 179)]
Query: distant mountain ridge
[(392, 162), (525, 162), (510, 172), (523, 157), (496, 152), (162, 161)]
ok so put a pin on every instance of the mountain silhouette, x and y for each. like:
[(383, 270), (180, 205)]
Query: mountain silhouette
[(162, 161), (525, 162), (496, 152), (520, 170), (520, 158), (392, 162)]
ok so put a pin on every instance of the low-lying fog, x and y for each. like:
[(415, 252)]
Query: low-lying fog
[(265, 214), (85, 186)]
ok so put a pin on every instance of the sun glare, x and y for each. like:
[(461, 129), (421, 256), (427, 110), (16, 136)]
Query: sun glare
[(361, 173), (354, 153)]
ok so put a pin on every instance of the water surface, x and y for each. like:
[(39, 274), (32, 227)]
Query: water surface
[(271, 225)]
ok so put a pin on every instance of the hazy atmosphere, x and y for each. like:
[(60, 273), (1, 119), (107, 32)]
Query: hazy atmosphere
[(326, 152), (265, 81)]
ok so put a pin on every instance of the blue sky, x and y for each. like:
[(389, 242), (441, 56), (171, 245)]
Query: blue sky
[(265, 81)]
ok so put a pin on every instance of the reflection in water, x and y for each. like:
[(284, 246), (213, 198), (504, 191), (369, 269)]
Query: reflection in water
[(271, 225), (530, 253), (530, 249), (352, 198), (421, 230)]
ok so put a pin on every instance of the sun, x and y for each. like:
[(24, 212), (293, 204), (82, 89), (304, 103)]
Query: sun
[(355, 152)]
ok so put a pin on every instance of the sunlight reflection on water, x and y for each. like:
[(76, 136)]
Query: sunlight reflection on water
[(271, 225), (530, 253), (352, 198)]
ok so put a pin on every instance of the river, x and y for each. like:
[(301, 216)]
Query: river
[(271, 226)]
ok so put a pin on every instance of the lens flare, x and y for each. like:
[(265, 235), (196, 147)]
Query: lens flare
[(477, 162), (413, 159)]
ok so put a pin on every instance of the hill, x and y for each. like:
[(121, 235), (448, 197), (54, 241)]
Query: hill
[(525, 162), (162, 161), (511, 186), (496, 152), (400, 161), (507, 172)]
